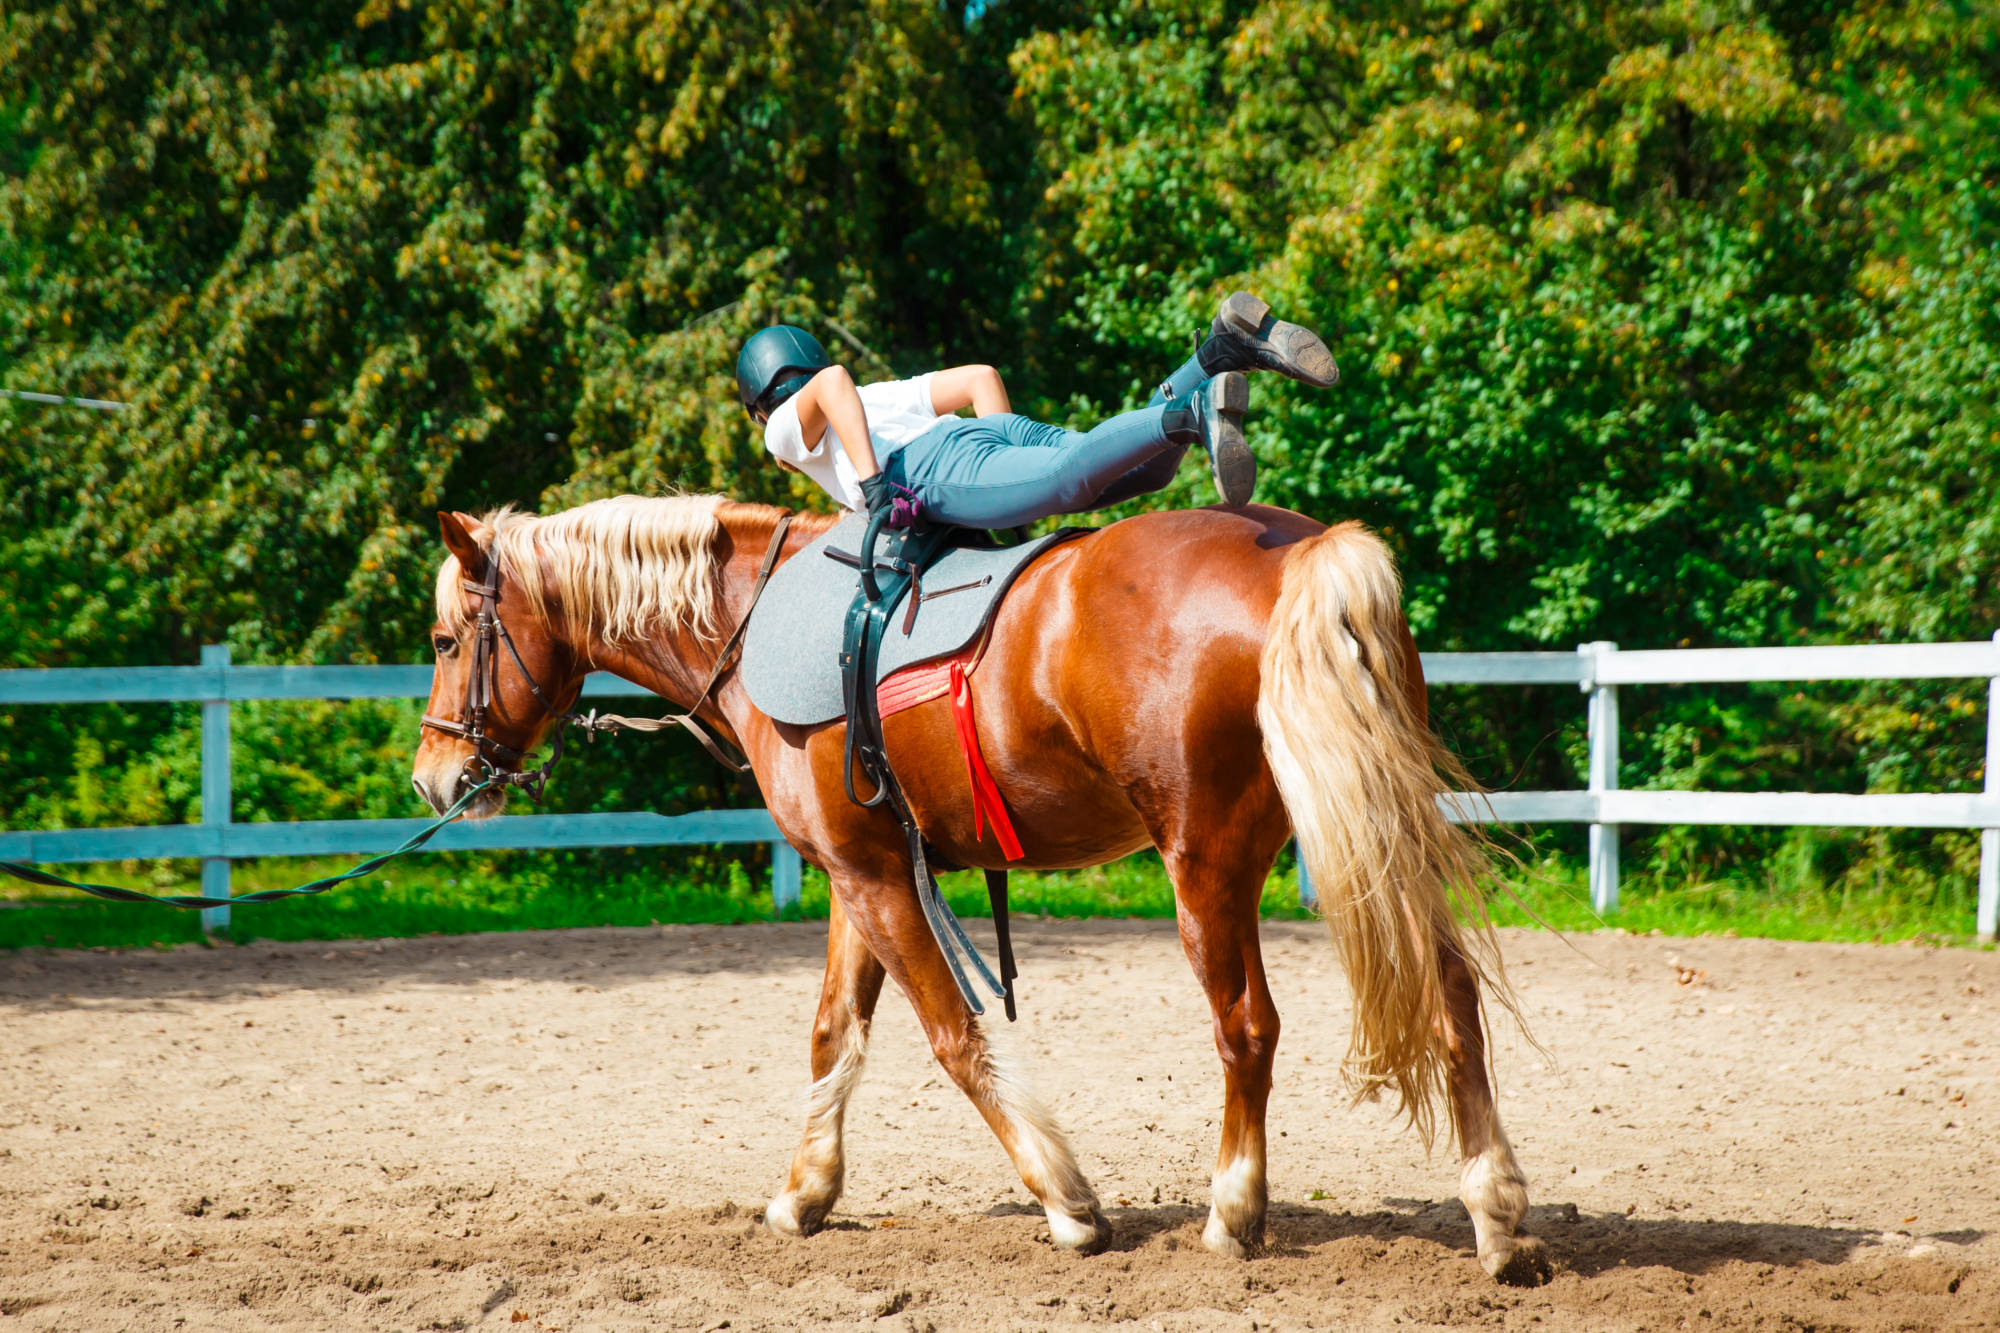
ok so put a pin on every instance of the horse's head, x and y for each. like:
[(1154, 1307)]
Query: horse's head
[(502, 673)]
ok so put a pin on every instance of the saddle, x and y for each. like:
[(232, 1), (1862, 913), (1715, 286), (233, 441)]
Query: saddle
[(792, 648), (909, 597)]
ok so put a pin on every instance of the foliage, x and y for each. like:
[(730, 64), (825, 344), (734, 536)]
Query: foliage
[(1664, 323)]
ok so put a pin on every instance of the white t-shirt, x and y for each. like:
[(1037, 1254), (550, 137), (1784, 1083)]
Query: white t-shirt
[(898, 412)]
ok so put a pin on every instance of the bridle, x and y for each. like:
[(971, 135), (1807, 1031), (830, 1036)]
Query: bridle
[(488, 755)]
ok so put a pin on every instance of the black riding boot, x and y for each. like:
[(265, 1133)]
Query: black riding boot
[(1212, 416), (1245, 336)]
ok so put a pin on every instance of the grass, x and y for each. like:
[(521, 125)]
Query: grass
[(458, 893), (1556, 893), (445, 894)]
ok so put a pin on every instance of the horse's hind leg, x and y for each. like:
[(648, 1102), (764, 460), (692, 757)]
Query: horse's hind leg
[(1489, 1179), (893, 922), (839, 1046), (1218, 898)]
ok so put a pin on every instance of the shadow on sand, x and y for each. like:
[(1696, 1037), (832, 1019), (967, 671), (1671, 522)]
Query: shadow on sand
[(602, 956), (1586, 1244)]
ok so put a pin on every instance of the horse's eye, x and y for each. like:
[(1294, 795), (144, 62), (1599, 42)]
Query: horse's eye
[(444, 643)]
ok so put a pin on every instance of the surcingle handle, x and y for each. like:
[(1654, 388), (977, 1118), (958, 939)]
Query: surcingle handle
[(996, 893)]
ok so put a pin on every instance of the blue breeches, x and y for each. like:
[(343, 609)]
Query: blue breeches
[(1005, 470)]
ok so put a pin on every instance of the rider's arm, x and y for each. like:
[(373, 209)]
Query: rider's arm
[(831, 400), (976, 387)]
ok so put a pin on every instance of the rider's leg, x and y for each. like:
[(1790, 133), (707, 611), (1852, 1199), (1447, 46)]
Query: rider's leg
[(1188, 376), (1243, 336), (1154, 474), (1003, 470)]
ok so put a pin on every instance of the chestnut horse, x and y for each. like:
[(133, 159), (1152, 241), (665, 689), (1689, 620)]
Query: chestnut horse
[(1208, 682)]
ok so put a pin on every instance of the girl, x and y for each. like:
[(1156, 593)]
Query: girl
[(902, 442)]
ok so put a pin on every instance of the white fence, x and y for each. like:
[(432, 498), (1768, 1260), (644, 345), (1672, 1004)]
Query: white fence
[(1598, 669)]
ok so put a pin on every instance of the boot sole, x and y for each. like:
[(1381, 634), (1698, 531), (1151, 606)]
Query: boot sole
[(1289, 349), (1229, 456)]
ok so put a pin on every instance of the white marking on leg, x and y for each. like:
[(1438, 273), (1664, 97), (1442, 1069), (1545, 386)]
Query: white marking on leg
[(1495, 1192), (1042, 1154), (819, 1167), (1071, 1233), (1237, 1199)]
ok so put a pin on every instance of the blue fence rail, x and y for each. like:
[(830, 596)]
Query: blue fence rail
[(217, 840)]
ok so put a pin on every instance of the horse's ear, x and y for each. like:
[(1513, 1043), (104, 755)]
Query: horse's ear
[(457, 530)]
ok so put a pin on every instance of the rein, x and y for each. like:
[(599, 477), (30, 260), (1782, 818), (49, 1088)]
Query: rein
[(123, 895), (479, 689)]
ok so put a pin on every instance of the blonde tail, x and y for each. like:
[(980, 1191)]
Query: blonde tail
[(1361, 773)]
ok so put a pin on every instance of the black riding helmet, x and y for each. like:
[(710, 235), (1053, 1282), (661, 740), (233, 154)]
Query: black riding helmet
[(776, 363)]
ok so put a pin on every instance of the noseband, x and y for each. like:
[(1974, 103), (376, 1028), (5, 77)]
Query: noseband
[(488, 754), (488, 634)]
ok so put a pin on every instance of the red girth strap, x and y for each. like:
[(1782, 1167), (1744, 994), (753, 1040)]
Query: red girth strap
[(986, 802)]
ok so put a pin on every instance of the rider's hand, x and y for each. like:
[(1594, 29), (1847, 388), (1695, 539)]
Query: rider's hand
[(876, 494), (900, 503)]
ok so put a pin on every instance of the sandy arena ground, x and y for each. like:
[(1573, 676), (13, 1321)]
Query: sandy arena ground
[(578, 1131)]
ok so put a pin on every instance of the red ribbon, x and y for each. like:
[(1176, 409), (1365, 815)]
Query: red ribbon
[(986, 800)]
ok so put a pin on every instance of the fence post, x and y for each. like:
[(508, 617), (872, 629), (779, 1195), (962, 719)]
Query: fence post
[(1308, 895), (215, 788), (1987, 925), (1603, 733), (786, 873)]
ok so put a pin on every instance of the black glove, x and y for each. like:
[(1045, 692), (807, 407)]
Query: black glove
[(876, 493)]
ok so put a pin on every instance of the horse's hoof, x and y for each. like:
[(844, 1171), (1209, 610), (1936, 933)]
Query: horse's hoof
[(1223, 1241), (785, 1216), (1523, 1263), (1085, 1235)]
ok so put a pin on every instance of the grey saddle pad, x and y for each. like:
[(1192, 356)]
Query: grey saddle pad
[(791, 652)]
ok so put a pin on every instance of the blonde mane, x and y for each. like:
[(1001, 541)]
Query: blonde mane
[(620, 570)]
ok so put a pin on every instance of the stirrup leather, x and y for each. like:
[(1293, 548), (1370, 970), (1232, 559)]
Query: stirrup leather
[(883, 583)]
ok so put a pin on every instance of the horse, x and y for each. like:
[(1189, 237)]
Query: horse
[(1209, 682)]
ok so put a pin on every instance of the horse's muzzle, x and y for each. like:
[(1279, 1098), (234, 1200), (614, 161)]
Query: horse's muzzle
[(440, 796)]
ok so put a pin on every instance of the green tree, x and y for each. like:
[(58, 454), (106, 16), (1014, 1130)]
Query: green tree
[(1668, 323)]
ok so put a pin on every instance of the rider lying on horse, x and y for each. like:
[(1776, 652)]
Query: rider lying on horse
[(902, 443)]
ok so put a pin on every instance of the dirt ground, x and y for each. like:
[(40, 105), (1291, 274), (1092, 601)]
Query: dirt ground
[(577, 1130)]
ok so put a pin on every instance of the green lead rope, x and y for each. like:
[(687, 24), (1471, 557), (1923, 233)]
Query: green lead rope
[(368, 867)]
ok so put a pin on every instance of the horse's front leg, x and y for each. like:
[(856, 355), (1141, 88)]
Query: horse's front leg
[(1218, 922), (886, 912), (839, 1046), (1490, 1181)]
